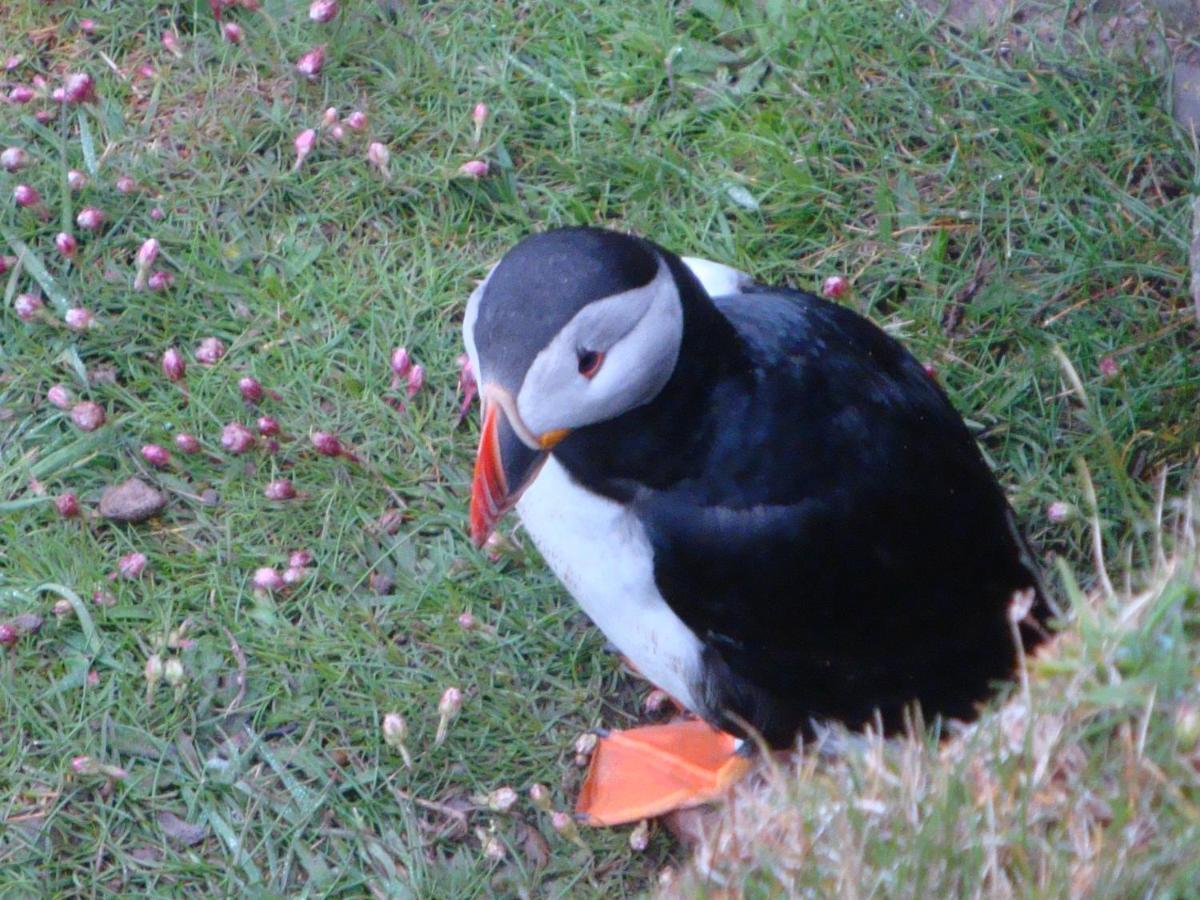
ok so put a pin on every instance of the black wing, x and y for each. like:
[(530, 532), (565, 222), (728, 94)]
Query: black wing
[(847, 548)]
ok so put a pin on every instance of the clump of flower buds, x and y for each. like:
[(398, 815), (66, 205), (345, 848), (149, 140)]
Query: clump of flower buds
[(323, 11), (131, 565), (585, 745), (300, 558), (279, 489), (173, 364), (14, 629), (834, 286), (237, 438), (309, 64), (210, 351), (304, 143), (76, 180), (395, 732), (66, 244), (251, 389), (90, 218), (13, 159), (79, 319), (27, 306), (232, 32), (268, 579), (357, 120), (67, 505), (379, 156), (60, 395), (79, 88), (187, 443), (502, 799), (293, 575), (474, 168), (448, 708), (157, 456), (87, 416)]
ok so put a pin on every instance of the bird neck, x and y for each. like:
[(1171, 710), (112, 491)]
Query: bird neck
[(661, 443)]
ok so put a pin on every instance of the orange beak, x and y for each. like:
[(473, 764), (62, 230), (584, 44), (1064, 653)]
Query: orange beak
[(489, 487)]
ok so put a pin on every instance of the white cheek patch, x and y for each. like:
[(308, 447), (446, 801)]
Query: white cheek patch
[(639, 331)]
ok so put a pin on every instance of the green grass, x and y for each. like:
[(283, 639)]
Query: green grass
[(796, 143)]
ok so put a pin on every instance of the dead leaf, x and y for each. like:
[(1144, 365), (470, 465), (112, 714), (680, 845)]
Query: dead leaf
[(131, 501), (179, 831)]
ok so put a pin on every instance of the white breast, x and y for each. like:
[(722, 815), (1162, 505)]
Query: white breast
[(601, 554)]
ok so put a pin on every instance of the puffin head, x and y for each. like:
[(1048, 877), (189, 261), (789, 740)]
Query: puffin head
[(572, 327)]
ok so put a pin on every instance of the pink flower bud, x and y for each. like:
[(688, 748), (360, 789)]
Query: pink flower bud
[(639, 838), (79, 319), (85, 765), (378, 155), (474, 168), (267, 579), (304, 143), (62, 608), (834, 286), (293, 575), (160, 281), (210, 351), (44, 116), (67, 505), (539, 796), (66, 244), (79, 88), (173, 364), (357, 120), (1059, 511), (467, 386), (395, 730), (171, 42), (26, 196), (27, 306), (87, 26), (90, 218), (237, 438), (76, 180), (565, 825), (13, 159), (326, 444), (448, 708), (59, 395), (298, 559), (232, 32), (59, 95), (329, 117), (131, 565), (146, 256), (267, 426), (323, 10), (338, 133), (157, 214), (279, 489), (309, 64), (467, 622), (125, 184), (87, 416), (401, 362), (20, 94), (479, 114), (1109, 367), (252, 391), (416, 380), (155, 455), (187, 443), (9, 634)]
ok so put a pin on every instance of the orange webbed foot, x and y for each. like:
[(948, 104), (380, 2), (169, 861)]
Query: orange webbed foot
[(652, 770)]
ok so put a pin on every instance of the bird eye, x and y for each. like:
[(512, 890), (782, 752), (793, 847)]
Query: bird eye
[(590, 362)]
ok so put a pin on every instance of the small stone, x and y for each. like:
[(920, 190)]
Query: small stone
[(131, 501)]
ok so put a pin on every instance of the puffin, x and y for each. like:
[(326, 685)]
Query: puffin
[(765, 502)]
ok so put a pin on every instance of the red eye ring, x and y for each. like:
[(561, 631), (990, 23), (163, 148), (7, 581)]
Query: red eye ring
[(590, 362)]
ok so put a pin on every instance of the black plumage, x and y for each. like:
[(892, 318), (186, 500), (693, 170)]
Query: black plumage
[(820, 517)]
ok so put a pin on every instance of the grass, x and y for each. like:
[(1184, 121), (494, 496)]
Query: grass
[(1014, 217)]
